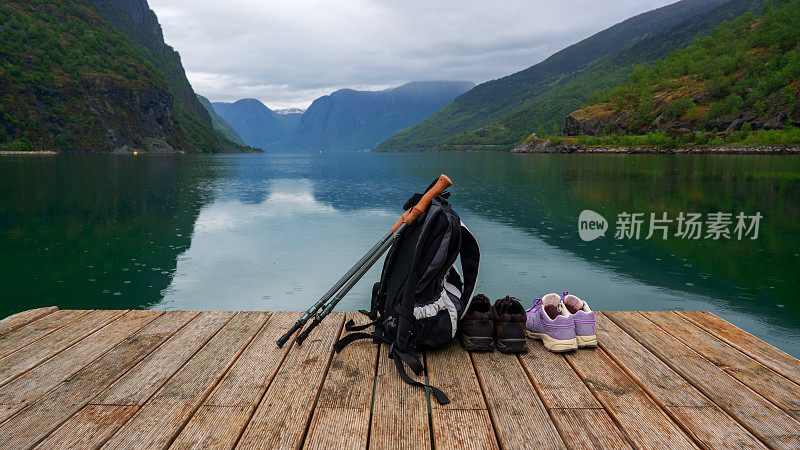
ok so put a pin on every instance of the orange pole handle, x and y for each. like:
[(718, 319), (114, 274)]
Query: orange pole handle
[(412, 214)]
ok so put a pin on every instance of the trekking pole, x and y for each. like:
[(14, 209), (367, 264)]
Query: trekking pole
[(358, 270), (350, 283), (321, 302)]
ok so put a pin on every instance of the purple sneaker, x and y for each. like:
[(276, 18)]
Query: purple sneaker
[(584, 320), (550, 321)]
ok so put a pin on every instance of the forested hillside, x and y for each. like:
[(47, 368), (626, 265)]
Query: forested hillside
[(95, 76), (726, 88), (540, 94), (545, 113)]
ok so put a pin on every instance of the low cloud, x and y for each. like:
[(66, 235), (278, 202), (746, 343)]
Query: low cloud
[(287, 53)]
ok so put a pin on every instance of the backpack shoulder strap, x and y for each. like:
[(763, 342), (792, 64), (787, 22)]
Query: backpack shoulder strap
[(470, 264)]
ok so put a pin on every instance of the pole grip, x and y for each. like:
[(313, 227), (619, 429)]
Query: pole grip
[(302, 336), (289, 333), (412, 214)]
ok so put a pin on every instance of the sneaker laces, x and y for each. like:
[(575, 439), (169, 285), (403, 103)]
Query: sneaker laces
[(572, 303)]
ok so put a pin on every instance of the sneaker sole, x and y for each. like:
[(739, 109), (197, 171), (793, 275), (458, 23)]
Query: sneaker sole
[(586, 341), (477, 344), (554, 345), (512, 346)]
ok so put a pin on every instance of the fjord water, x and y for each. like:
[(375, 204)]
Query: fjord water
[(244, 232)]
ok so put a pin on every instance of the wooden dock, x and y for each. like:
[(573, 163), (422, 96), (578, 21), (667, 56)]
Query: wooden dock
[(153, 379)]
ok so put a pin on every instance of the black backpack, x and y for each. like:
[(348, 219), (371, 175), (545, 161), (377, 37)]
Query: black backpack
[(421, 296)]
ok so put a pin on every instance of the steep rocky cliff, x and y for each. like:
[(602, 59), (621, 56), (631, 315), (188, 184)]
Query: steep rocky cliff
[(80, 77)]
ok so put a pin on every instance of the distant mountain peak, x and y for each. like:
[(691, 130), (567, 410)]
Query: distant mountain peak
[(286, 111)]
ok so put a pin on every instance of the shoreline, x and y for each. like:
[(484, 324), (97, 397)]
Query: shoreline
[(546, 147), (142, 153), (27, 153)]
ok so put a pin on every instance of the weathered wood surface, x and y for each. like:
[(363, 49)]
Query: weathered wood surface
[(159, 420), (696, 414), (282, 417), (148, 379), (761, 417), (23, 318), (570, 401), (342, 415), (465, 421), (520, 419), (399, 411)]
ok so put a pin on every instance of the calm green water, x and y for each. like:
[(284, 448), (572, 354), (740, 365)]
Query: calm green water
[(274, 232)]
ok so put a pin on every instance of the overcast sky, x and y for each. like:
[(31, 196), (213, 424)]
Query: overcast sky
[(287, 53)]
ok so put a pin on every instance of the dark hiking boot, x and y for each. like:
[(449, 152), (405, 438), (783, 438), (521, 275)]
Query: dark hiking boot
[(509, 325), (477, 326)]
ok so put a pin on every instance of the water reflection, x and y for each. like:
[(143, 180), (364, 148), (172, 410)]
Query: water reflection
[(752, 283), (95, 231), (275, 231), (276, 254)]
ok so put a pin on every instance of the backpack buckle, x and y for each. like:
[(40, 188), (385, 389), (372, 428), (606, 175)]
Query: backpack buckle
[(402, 341)]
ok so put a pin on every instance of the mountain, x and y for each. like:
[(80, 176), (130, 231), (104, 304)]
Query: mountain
[(358, 120), (95, 76), (344, 120), (545, 113), (726, 88), (220, 125), (258, 125), (496, 100)]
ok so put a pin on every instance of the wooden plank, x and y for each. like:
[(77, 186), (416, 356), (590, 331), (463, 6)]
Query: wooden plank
[(645, 424), (346, 428), (247, 380), (33, 423), (519, 417), (161, 419), (556, 381), (342, 414), (765, 420), (130, 391), (89, 427), (214, 427), (465, 421), (283, 415), (400, 411), (450, 369), (223, 416), (18, 363), (23, 318), (569, 401), (696, 414), (760, 378), (746, 342), (33, 331), (588, 428), (39, 380), (463, 429), (142, 382)]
